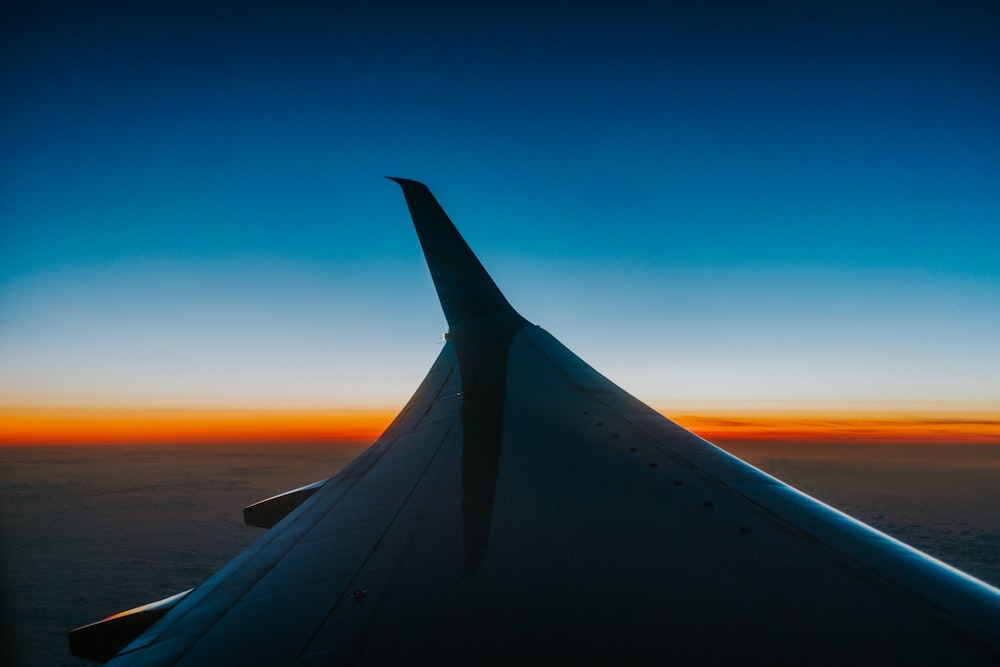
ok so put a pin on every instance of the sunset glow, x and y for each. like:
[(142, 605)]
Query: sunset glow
[(760, 207), (95, 426), (77, 426), (839, 427)]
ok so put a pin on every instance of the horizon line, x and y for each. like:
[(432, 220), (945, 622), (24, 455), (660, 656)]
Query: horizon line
[(83, 425)]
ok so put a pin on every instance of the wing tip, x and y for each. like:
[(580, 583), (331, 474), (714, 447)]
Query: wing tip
[(405, 182)]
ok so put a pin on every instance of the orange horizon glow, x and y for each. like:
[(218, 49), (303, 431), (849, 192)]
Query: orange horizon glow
[(845, 428), (99, 425)]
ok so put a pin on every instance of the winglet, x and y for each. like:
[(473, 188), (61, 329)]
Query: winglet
[(465, 289)]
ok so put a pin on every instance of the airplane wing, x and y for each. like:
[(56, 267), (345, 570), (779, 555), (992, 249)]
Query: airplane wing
[(522, 508)]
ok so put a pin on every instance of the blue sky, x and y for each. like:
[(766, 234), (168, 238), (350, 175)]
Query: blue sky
[(792, 203)]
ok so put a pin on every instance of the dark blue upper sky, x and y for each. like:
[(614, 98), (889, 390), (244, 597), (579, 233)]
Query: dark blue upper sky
[(802, 191)]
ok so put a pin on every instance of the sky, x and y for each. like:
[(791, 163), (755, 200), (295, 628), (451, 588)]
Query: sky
[(725, 208)]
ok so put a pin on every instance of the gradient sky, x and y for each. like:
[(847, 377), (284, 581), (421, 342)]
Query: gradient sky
[(789, 204)]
